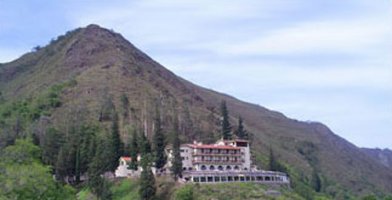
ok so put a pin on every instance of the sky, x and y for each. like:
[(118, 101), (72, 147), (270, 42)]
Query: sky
[(313, 60)]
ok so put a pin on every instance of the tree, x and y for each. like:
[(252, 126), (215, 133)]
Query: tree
[(117, 145), (159, 143), (124, 105), (23, 176), (176, 167), (145, 146), (147, 188), (316, 181), (51, 145), (61, 165), (272, 161), (241, 132), (274, 164), (134, 151), (226, 127), (97, 167), (187, 126), (36, 48)]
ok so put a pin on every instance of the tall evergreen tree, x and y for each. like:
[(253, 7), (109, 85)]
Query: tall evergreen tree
[(147, 188), (61, 165), (241, 132), (176, 167), (144, 145), (124, 106), (159, 143), (273, 165), (117, 145), (134, 150), (84, 151), (316, 181), (51, 145), (99, 165), (226, 127)]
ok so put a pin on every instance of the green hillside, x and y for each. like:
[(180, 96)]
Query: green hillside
[(69, 89)]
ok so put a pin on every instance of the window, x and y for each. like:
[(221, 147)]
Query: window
[(203, 167), (223, 178)]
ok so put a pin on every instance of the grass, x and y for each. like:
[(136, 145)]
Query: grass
[(125, 189), (234, 191)]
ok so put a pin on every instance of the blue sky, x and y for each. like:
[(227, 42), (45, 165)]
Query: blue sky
[(327, 61)]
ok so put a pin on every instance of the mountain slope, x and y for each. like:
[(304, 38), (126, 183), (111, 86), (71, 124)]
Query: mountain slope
[(104, 65), (384, 156)]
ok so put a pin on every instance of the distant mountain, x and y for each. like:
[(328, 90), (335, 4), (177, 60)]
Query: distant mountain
[(384, 156), (103, 64)]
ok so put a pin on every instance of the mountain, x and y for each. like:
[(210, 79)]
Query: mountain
[(384, 156), (102, 64)]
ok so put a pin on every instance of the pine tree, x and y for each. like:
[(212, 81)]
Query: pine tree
[(226, 127), (159, 143), (147, 188), (134, 151), (176, 167), (117, 145), (272, 161), (84, 154), (145, 146), (124, 106), (316, 181), (51, 145), (97, 167), (241, 132), (61, 165)]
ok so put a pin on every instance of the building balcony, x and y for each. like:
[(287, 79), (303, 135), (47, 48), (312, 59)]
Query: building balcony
[(218, 161), (217, 154)]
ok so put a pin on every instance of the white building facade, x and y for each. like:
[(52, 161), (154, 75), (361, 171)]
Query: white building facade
[(224, 161)]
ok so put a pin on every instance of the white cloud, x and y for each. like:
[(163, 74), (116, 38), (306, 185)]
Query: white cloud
[(346, 36)]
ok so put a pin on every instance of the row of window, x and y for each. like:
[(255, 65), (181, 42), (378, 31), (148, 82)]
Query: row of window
[(220, 167), (235, 178), (218, 151)]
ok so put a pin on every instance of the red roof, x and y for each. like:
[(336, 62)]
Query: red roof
[(126, 158), (211, 146)]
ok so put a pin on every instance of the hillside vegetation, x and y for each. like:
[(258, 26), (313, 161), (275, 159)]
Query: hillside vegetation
[(70, 89)]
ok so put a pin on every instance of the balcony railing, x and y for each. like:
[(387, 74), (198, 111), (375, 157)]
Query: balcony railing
[(218, 161), (217, 154)]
